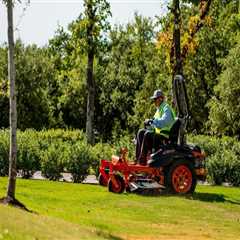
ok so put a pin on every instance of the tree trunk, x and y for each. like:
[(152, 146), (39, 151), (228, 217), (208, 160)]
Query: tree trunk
[(176, 48), (90, 77), (177, 57), (178, 70), (179, 90), (90, 99), (13, 107)]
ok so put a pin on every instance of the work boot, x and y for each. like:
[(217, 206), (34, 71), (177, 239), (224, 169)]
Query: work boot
[(143, 160)]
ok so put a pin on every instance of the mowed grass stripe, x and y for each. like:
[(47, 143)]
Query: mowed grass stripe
[(211, 213)]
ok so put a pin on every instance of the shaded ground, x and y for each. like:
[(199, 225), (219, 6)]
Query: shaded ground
[(14, 203), (67, 177)]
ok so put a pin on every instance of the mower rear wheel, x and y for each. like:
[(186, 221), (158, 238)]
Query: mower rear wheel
[(181, 177), (120, 184), (102, 181)]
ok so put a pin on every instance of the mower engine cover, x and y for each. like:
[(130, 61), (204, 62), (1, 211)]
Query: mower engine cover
[(168, 153)]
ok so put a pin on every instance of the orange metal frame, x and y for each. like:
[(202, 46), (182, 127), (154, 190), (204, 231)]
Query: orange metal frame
[(120, 164)]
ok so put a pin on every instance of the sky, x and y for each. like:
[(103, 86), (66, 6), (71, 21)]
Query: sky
[(38, 23)]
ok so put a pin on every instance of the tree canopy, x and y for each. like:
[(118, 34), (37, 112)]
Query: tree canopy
[(131, 61)]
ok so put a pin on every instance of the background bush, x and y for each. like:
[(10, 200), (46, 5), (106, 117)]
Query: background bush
[(100, 151), (56, 151), (78, 162), (125, 141), (223, 158), (29, 154), (4, 152), (53, 160)]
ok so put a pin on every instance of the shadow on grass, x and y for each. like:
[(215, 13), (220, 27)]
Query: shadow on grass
[(205, 197), (108, 236), (15, 203), (212, 197)]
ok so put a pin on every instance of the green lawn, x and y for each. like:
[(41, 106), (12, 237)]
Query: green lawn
[(81, 211)]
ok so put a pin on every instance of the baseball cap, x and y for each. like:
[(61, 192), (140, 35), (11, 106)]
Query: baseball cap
[(157, 93)]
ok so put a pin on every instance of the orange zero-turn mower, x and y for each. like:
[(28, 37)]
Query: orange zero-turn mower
[(173, 169)]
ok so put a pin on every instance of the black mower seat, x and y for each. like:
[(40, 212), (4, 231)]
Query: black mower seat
[(160, 158), (174, 132)]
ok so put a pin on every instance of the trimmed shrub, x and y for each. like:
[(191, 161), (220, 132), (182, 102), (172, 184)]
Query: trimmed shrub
[(233, 172), (28, 159), (224, 167), (223, 158), (51, 135), (57, 151), (53, 160), (78, 163), (217, 168), (4, 153), (98, 152)]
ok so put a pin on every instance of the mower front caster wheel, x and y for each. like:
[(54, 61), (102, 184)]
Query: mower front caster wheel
[(102, 180), (117, 186)]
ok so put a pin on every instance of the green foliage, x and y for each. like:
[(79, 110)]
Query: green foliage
[(4, 99), (69, 52), (196, 2), (48, 151), (203, 67), (100, 151), (126, 141), (33, 73), (92, 24), (132, 56), (29, 154), (223, 158), (57, 151), (53, 160), (78, 162), (224, 108), (224, 166), (128, 66), (4, 152), (52, 135), (68, 91)]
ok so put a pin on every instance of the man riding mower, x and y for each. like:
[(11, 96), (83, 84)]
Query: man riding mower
[(161, 162), (156, 130)]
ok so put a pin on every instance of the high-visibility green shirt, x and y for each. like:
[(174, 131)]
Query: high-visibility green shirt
[(163, 120)]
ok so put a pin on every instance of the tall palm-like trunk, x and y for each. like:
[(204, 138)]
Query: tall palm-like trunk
[(90, 99), (13, 108), (90, 77), (178, 69)]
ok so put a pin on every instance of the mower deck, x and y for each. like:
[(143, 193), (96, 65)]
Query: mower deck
[(119, 175)]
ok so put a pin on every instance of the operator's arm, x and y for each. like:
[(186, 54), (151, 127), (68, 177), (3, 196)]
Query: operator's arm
[(165, 121)]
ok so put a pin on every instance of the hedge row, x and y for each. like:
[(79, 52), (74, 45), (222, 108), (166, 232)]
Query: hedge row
[(57, 151), (223, 158), (53, 152)]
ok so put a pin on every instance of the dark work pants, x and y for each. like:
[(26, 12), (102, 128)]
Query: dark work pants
[(146, 142)]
